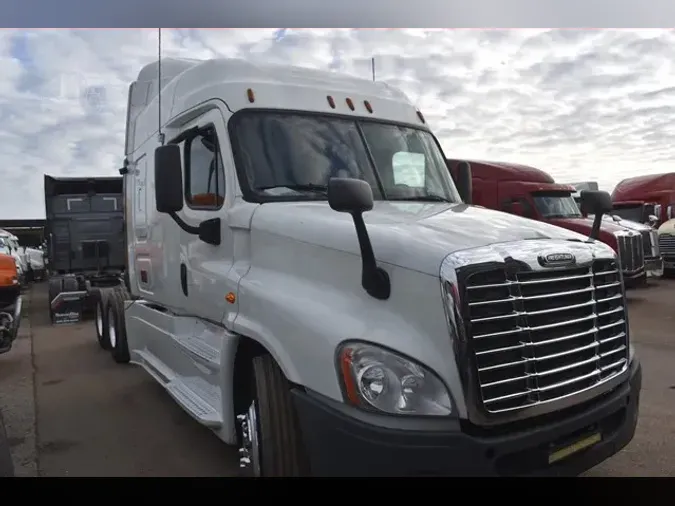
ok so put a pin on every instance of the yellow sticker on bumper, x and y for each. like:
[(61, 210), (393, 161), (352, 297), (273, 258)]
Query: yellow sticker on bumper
[(574, 448)]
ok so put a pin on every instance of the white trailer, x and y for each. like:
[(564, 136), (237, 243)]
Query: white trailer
[(305, 280)]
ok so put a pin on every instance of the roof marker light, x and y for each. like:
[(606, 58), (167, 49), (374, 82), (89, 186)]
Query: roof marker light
[(350, 104), (331, 102), (368, 106), (251, 96), (419, 115)]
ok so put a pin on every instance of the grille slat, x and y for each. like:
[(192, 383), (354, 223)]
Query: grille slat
[(631, 252), (667, 245), (541, 335)]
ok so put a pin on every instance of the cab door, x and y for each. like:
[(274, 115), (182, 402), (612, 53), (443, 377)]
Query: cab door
[(208, 180)]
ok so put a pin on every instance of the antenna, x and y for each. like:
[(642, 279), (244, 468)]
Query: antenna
[(160, 135), (372, 65)]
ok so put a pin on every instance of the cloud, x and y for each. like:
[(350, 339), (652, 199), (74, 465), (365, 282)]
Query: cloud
[(582, 105)]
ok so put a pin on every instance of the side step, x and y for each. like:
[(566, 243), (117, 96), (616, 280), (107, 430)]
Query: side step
[(190, 401)]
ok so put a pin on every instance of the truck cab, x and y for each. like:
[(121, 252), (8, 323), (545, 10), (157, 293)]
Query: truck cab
[(645, 196), (306, 280), (532, 193)]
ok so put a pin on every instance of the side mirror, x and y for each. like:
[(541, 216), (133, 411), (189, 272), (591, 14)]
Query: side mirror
[(169, 194), (354, 196), (598, 203), (168, 179), (464, 182), (653, 220), (347, 195)]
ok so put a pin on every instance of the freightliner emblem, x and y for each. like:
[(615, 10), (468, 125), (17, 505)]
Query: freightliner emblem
[(556, 259)]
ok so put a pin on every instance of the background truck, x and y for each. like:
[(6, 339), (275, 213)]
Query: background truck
[(532, 193), (639, 197), (10, 302), (305, 280), (85, 235), (653, 257), (667, 244)]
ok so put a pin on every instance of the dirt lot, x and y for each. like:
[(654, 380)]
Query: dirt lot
[(71, 411)]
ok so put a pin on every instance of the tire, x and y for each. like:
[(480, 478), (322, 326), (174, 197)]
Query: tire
[(70, 284), (269, 430), (55, 288), (100, 300), (117, 334), (6, 464)]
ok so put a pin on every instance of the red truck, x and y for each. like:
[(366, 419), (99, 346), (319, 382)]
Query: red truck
[(532, 193), (636, 198)]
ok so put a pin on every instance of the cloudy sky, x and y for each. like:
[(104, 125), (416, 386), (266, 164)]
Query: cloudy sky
[(581, 105)]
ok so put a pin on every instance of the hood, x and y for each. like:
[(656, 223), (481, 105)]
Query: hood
[(668, 227), (629, 224), (584, 225), (411, 235)]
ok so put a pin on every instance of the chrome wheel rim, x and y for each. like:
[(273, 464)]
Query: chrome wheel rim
[(249, 452), (112, 334)]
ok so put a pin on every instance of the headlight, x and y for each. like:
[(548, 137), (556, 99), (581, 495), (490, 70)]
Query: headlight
[(631, 352), (380, 380)]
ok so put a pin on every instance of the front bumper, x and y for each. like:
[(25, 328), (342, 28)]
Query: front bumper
[(343, 441)]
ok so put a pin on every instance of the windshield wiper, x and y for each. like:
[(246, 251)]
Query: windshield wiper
[(423, 198), (317, 188)]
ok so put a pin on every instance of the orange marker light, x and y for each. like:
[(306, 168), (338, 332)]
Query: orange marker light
[(251, 96), (231, 298), (347, 377), (368, 106), (350, 104), (331, 102)]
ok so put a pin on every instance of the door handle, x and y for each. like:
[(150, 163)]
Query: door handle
[(183, 278)]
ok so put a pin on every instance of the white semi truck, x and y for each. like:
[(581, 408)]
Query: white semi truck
[(305, 280)]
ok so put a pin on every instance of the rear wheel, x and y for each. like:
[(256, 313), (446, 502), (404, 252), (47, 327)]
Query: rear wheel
[(117, 335), (55, 288), (271, 442)]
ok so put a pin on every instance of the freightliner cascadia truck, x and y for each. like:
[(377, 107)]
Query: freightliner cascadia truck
[(306, 280)]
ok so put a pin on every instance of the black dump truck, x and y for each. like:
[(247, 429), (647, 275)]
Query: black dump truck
[(85, 238)]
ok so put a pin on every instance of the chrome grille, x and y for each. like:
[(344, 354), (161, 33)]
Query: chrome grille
[(647, 243), (538, 336), (631, 252), (667, 245)]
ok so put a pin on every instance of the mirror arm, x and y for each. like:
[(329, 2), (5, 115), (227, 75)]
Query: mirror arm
[(374, 279), (595, 231), (188, 228)]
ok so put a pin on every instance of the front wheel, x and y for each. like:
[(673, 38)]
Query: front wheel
[(271, 442)]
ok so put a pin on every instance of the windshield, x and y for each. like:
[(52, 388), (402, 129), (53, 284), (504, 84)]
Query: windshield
[(559, 205), (632, 213), (292, 156)]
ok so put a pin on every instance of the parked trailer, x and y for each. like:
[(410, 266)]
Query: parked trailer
[(85, 237), (305, 280)]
